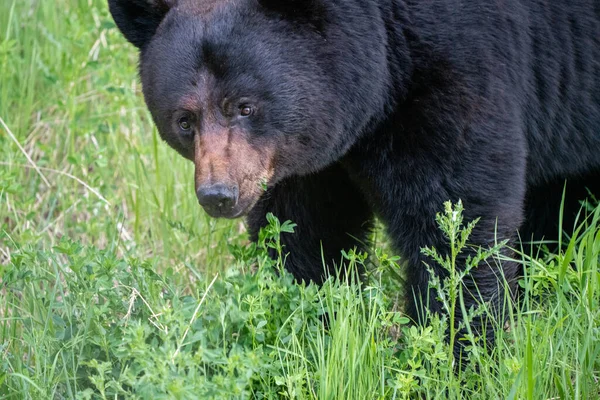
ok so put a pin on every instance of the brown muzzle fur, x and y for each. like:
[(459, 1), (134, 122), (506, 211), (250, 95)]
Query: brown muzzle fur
[(225, 157)]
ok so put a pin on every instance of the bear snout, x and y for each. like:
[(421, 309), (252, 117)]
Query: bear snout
[(218, 200)]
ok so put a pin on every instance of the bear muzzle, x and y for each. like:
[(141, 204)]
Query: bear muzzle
[(231, 173), (218, 200)]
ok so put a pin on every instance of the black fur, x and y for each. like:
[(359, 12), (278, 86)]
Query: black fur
[(390, 108), (331, 213), (138, 19)]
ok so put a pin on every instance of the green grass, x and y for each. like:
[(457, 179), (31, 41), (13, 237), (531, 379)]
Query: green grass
[(115, 284)]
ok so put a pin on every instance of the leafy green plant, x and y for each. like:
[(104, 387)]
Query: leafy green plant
[(450, 288)]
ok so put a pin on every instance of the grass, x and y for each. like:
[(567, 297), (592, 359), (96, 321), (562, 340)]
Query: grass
[(115, 284)]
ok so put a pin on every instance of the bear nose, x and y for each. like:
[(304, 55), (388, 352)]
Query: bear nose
[(218, 198)]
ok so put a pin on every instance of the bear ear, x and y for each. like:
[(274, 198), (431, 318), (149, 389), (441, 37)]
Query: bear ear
[(139, 19), (312, 12)]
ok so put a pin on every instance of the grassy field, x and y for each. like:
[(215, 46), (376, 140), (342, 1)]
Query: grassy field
[(115, 284)]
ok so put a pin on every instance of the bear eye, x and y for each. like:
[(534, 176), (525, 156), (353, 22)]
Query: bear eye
[(246, 110), (184, 124)]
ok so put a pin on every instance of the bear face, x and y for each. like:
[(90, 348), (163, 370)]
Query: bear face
[(225, 91)]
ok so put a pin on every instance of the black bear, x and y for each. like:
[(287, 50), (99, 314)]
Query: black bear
[(329, 112)]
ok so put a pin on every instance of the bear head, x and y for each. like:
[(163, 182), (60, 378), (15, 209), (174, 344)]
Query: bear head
[(254, 91)]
